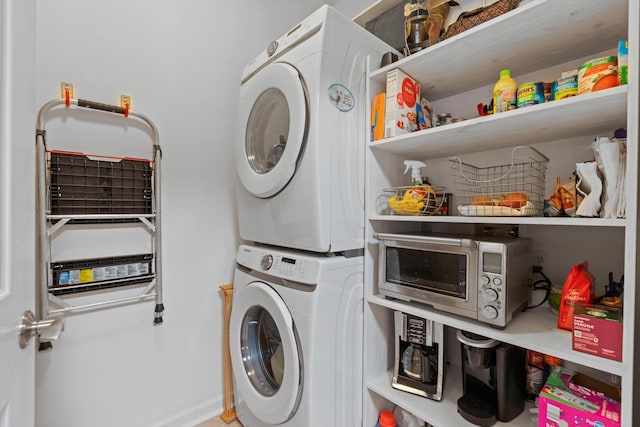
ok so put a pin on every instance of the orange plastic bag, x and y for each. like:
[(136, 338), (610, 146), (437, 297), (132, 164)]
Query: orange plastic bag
[(578, 288)]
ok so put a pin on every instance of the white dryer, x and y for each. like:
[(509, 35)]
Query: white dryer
[(301, 136), (296, 338)]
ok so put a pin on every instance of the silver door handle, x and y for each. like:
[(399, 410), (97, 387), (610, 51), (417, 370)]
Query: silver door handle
[(47, 330)]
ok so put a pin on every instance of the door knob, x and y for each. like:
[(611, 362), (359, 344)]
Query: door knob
[(49, 329)]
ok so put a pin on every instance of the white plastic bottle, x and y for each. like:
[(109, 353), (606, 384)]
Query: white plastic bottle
[(504, 93), (416, 173)]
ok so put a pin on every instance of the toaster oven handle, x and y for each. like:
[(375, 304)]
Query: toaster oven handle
[(432, 240)]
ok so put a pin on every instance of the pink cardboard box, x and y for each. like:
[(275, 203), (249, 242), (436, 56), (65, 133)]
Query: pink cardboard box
[(577, 400), (597, 330)]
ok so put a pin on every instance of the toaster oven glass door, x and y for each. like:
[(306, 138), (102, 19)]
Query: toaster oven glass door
[(438, 272)]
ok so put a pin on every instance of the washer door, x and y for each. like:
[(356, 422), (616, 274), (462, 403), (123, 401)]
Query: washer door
[(272, 121), (265, 353)]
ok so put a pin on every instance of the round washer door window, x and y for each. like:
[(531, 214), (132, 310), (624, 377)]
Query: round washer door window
[(265, 353), (272, 120)]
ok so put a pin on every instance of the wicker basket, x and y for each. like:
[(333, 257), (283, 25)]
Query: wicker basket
[(477, 16)]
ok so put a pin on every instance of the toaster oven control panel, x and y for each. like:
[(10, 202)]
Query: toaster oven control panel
[(490, 298)]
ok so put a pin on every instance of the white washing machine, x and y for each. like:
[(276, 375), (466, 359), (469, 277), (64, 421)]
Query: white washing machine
[(301, 136), (296, 338)]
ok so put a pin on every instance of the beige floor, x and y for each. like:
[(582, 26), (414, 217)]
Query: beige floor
[(217, 422)]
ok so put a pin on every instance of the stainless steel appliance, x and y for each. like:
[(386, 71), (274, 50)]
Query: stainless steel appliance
[(481, 277), (419, 349), (493, 380)]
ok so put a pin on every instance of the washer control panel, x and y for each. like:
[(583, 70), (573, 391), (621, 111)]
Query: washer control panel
[(266, 262), (278, 263)]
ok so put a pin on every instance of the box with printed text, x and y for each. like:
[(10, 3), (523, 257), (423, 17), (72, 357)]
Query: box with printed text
[(402, 95), (577, 400), (377, 117), (597, 330)]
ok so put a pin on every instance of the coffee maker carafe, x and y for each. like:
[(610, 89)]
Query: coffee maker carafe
[(419, 348), (493, 380)]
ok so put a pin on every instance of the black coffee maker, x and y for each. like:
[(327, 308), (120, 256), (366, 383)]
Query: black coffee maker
[(419, 367), (494, 375)]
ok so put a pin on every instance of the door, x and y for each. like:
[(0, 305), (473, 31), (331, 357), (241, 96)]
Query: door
[(17, 240), (272, 129), (265, 353)]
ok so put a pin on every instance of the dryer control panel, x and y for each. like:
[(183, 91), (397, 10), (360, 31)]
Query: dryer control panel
[(283, 264), (297, 34)]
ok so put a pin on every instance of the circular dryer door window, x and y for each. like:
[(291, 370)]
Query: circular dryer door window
[(272, 120), (262, 336)]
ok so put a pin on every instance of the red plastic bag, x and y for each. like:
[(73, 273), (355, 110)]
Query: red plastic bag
[(578, 288)]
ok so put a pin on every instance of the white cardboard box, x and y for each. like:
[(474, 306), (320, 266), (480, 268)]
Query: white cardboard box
[(402, 95)]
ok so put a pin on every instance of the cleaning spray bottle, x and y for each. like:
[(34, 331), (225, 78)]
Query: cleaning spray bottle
[(416, 167), (411, 201)]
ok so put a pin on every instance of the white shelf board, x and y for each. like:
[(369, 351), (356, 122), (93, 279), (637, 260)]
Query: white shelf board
[(534, 329), (474, 58), (441, 413), (588, 114), (376, 9), (531, 220)]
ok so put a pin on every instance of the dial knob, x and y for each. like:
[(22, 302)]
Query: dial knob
[(272, 48), (484, 280), (266, 262), (489, 312), (490, 295)]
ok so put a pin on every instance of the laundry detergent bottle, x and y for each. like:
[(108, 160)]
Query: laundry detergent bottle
[(386, 419), (504, 93)]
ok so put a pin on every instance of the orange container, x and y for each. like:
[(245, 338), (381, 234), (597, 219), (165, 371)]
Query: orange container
[(377, 117), (386, 419), (598, 74)]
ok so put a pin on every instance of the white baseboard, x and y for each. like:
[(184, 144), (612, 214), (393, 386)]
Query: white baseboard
[(195, 415)]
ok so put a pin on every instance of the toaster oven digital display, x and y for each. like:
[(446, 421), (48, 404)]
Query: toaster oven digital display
[(492, 263)]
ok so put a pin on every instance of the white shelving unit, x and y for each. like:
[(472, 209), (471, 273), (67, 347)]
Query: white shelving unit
[(538, 36)]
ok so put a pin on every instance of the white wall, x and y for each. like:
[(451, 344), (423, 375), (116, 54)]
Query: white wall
[(351, 8), (180, 61)]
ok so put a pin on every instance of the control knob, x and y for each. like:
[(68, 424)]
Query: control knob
[(490, 295), (272, 48), (266, 262), (489, 312)]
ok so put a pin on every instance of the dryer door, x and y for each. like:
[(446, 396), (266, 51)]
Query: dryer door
[(265, 353), (272, 127)]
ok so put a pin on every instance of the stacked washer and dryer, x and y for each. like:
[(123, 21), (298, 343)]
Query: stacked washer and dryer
[(297, 316)]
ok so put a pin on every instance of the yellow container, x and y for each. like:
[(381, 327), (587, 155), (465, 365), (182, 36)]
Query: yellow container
[(505, 93)]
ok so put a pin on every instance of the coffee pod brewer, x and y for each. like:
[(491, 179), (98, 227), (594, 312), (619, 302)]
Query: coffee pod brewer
[(419, 351), (493, 380)]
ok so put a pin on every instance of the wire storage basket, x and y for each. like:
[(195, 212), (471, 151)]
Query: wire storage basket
[(515, 189), (412, 200)]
